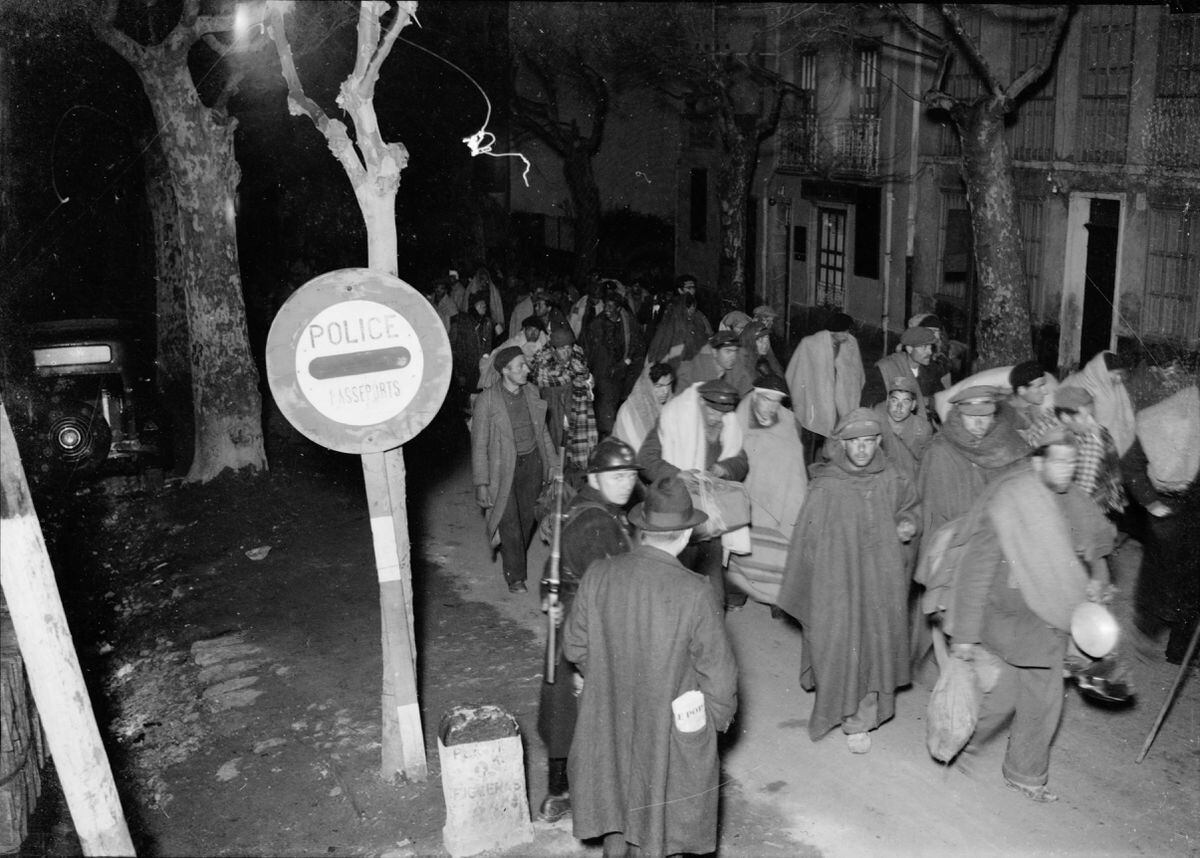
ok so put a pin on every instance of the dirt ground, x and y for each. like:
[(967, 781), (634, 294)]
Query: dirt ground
[(241, 696)]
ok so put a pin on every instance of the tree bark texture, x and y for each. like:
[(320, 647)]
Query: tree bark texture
[(1003, 333), (173, 380), (733, 193), (227, 407)]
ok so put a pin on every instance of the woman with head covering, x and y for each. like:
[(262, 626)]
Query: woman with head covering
[(638, 414), (561, 373), (1104, 378), (756, 351)]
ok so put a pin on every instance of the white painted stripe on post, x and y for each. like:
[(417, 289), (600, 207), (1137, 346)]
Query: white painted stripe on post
[(387, 557)]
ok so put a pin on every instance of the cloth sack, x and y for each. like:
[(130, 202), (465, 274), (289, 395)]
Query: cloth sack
[(726, 502), (953, 710)]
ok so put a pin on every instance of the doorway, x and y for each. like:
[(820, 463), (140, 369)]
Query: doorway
[(831, 258), (1100, 277)]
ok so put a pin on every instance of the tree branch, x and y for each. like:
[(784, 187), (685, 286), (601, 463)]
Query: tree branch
[(599, 88), (1034, 73), (369, 13), (950, 12), (105, 27), (768, 124), (405, 10)]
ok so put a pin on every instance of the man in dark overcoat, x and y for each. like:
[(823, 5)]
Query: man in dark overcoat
[(659, 681), (594, 527), (511, 456), (847, 582)]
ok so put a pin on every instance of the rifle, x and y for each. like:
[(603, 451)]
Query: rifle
[(552, 568)]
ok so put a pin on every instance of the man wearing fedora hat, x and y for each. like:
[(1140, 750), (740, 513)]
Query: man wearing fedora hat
[(511, 455), (659, 682), (594, 526), (846, 582)]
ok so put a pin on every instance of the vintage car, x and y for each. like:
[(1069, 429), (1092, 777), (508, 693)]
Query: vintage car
[(87, 401)]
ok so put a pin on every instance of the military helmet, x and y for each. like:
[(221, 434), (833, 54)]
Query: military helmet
[(612, 454)]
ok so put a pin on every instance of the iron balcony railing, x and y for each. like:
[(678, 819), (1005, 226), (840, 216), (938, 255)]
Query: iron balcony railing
[(854, 146)]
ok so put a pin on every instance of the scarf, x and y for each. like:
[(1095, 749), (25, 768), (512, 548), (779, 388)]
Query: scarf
[(999, 447), (638, 413), (1114, 409), (1170, 435)]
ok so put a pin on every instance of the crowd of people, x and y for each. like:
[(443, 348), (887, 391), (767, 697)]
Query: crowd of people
[(885, 508)]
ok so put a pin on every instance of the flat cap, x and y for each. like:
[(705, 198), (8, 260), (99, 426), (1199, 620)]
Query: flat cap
[(720, 394), (1024, 374), (505, 356), (918, 336), (724, 339), (765, 311), (1072, 398), (975, 401), (859, 423), (839, 322)]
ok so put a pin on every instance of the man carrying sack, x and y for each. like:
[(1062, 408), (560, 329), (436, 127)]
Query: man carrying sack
[(699, 439)]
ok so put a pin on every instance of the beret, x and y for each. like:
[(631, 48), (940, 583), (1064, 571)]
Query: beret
[(1025, 373), (720, 394), (504, 357), (562, 337), (771, 382), (918, 336), (975, 401), (533, 322), (722, 339), (1072, 398), (858, 424)]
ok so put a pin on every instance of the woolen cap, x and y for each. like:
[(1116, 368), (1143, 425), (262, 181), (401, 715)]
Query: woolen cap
[(562, 337), (771, 383), (719, 394), (858, 424), (724, 339), (1023, 374), (918, 336), (612, 454), (504, 357), (975, 401), (1072, 398), (668, 506), (839, 322)]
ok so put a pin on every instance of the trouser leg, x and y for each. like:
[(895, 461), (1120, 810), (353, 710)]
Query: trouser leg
[(865, 717), (1039, 708), (996, 706), (704, 558), (615, 845), (517, 522)]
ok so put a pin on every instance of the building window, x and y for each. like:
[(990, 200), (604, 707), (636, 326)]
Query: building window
[(1032, 135), (956, 255), (798, 147), (866, 92), (698, 205), (1169, 309), (831, 258), (1106, 78), (1029, 215), (1171, 133)]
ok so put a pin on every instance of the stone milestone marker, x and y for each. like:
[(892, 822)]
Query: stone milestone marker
[(483, 781)]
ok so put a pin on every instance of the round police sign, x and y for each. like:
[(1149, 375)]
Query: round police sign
[(358, 361)]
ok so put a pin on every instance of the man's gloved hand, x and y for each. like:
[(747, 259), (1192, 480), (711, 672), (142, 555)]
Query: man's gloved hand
[(555, 611), (906, 530)]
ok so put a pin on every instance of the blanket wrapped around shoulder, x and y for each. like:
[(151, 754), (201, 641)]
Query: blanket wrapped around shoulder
[(1170, 435)]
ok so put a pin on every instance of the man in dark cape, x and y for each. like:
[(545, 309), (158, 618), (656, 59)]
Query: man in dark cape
[(846, 582), (660, 681), (594, 527)]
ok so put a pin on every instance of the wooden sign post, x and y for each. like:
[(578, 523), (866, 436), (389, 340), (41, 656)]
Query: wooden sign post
[(52, 666), (358, 361)]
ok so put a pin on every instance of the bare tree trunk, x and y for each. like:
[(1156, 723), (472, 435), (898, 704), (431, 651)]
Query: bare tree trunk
[(585, 196), (1003, 331), (733, 194), (172, 355), (226, 404)]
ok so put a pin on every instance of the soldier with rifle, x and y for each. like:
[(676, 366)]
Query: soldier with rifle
[(593, 527)]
